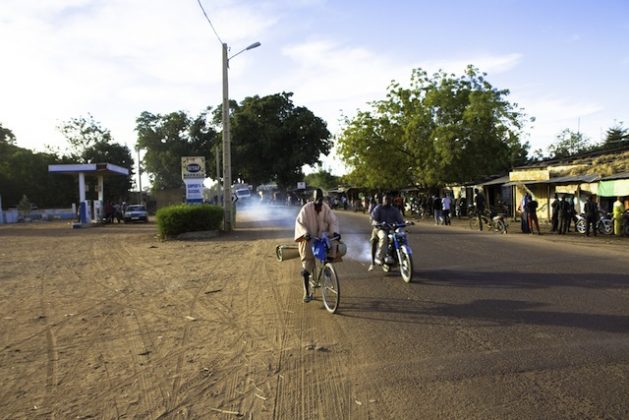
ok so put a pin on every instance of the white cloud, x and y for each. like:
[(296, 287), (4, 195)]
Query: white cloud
[(491, 64)]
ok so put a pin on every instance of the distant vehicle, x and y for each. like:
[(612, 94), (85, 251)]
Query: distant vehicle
[(135, 213), (243, 195)]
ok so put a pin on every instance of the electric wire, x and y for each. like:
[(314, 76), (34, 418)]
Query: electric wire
[(210, 22)]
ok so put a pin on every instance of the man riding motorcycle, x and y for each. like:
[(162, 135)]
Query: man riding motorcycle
[(382, 213)]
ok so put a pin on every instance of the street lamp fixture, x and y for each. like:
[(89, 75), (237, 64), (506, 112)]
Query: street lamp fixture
[(227, 168)]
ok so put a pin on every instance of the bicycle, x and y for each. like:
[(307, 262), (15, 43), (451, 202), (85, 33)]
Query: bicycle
[(495, 223), (325, 276)]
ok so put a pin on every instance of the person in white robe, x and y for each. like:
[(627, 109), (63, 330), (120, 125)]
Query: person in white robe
[(314, 218)]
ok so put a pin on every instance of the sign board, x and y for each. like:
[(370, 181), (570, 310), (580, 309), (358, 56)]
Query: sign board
[(194, 190), (192, 167), (301, 185)]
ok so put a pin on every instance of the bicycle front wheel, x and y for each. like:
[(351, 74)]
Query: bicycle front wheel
[(501, 227), (330, 288)]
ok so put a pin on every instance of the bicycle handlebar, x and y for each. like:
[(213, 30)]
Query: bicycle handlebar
[(386, 225)]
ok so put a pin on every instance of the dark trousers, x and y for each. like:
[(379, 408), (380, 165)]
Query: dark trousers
[(590, 221), (555, 222), (446, 217)]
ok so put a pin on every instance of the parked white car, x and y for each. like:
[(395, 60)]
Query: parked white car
[(136, 213)]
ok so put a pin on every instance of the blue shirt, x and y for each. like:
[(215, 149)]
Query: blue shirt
[(387, 214)]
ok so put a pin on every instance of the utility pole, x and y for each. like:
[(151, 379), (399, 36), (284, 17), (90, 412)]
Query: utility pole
[(227, 169), (139, 177)]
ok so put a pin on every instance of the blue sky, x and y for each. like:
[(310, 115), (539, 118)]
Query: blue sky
[(565, 62)]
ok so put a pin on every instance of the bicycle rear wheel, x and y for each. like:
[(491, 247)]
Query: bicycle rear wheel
[(330, 288), (474, 223)]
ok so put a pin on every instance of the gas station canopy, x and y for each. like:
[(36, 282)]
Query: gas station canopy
[(81, 169), (88, 168)]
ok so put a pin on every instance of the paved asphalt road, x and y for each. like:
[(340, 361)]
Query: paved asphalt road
[(493, 326)]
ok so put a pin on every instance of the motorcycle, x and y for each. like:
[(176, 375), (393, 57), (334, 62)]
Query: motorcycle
[(604, 224), (398, 252)]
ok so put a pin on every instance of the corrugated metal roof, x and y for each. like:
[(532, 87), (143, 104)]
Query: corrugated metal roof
[(621, 175), (497, 181), (571, 179)]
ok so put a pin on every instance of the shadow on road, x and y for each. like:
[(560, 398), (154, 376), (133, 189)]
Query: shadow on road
[(521, 280)]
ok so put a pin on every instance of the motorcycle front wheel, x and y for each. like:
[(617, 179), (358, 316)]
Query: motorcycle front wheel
[(581, 226), (406, 266)]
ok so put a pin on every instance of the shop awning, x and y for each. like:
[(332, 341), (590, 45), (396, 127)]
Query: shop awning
[(614, 188)]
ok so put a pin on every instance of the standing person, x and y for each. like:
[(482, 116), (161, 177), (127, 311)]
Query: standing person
[(591, 215), (314, 218), (479, 202), (446, 202), (617, 212), (457, 206), (383, 213), (572, 215), (564, 212), (532, 214), (437, 209), (555, 214), (523, 209)]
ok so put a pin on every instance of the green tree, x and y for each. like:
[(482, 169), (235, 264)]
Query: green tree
[(23, 172), (272, 139), (441, 129), (322, 179), (616, 136), (6, 135), (83, 133), (167, 138), (569, 143), (92, 143)]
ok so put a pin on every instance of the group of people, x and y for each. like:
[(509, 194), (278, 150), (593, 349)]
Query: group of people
[(563, 214), (316, 218), (528, 214), (442, 207), (114, 212)]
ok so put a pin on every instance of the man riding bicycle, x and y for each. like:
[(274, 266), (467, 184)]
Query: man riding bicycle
[(382, 213), (314, 218)]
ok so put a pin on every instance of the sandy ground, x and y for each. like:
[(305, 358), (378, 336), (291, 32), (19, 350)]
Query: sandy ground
[(111, 322)]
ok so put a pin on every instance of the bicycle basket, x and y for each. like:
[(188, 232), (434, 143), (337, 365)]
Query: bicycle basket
[(320, 248)]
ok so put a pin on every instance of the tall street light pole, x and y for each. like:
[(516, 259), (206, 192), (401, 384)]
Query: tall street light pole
[(227, 164)]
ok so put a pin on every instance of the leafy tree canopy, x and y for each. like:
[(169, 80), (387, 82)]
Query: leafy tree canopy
[(322, 179), (6, 135), (441, 129), (167, 138), (616, 136), (569, 143), (272, 139), (25, 173), (92, 143)]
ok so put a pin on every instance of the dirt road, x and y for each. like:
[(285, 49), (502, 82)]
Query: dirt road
[(111, 322)]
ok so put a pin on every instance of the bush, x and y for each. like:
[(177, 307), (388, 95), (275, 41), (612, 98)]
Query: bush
[(181, 218)]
